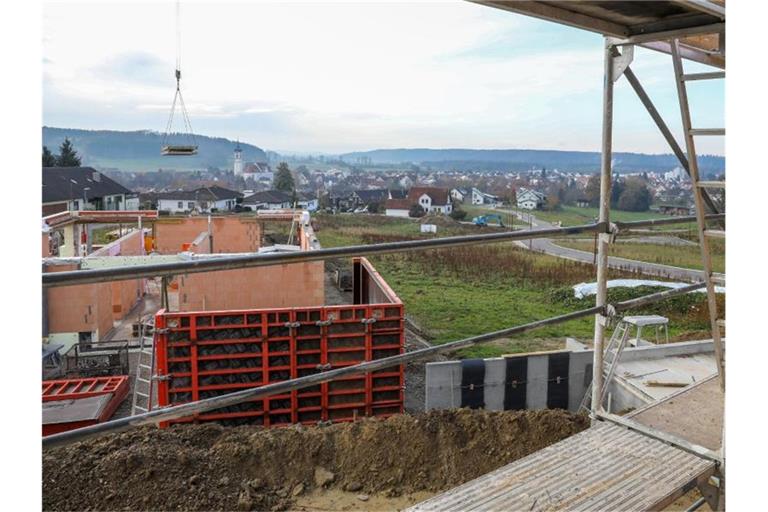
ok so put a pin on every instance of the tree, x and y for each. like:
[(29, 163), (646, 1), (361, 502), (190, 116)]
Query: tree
[(635, 196), (416, 211), (458, 214), (283, 178), (68, 157), (592, 192), (49, 160), (374, 208)]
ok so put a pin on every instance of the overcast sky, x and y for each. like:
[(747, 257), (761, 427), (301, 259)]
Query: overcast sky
[(335, 77)]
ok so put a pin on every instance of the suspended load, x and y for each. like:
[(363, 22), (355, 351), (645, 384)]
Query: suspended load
[(190, 147)]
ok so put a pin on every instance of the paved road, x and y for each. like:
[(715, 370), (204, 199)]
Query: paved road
[(547, 246)]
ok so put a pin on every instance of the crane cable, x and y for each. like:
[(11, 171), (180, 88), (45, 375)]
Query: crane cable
[(178, 96)]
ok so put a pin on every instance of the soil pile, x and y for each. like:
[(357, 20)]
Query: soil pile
[(210, 467)]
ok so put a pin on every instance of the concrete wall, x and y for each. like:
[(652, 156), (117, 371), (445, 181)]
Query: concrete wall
[(294, 285), (230, 234), (443, 379)]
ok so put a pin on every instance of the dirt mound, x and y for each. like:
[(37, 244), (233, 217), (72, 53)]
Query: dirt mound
[(210, 467)]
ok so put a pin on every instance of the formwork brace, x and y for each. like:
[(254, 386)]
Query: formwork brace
[(191, 408), (210, 264)]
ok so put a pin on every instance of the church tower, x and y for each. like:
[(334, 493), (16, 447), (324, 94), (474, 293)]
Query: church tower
[(238, 160)]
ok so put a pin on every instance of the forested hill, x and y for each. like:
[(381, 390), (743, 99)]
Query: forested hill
[(525, 159), (140, 150)]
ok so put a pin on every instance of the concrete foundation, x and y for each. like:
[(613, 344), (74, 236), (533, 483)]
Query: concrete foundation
[(690, 360)]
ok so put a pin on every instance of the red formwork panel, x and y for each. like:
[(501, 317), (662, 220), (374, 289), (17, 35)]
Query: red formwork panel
[(73, 389), (81, 389), (210, 353)]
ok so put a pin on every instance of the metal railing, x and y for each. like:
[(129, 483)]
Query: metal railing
[(260, 260)]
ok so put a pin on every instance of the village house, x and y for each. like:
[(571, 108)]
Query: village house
[(203, 200), (431, 200), (529, 199), (365, 198), (83, 188), (475, 196), (279, 200)]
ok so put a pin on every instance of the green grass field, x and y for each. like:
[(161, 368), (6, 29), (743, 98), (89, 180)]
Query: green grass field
[(465, 291), (677, 256)]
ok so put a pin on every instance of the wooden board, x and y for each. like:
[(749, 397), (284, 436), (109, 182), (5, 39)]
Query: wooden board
[(606, 467), (695, 414)]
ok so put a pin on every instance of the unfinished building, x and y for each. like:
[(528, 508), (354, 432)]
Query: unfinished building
[(639, 461)]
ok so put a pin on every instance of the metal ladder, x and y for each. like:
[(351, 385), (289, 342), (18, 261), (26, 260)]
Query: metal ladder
[(143, 384), (699, 187), (610, 361)]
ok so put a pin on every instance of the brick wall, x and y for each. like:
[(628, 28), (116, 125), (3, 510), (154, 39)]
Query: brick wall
[(79, 308), (294, 285), (230, 234), (46, 247)]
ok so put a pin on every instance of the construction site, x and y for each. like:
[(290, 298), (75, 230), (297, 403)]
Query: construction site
[(229, 361)]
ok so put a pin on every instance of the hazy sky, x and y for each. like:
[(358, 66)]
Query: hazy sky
[(343, 76)]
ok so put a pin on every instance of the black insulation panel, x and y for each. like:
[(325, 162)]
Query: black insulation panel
[(557, 377), (473, 383), (515, 383)]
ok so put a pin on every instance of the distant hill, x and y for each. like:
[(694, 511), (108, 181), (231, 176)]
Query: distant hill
[(140, 150), (525, 159)]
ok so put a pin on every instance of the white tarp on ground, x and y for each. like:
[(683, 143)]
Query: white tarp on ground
[(581, 290)]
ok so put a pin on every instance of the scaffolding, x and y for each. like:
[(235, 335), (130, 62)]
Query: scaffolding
[(687, 30)]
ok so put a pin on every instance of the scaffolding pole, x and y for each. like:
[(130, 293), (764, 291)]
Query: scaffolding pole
[(604, 218)]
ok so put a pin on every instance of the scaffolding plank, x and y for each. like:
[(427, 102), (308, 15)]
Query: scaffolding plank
[(605, 467), (675, 414)]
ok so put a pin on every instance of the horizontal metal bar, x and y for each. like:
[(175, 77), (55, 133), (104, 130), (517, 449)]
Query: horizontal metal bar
[(259, 260), (656, 297), (666, 221), (714, 75), (184, 410), (707, 131)]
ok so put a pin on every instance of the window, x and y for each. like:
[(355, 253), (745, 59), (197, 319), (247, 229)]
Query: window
[(190, 205), (180, 205), (76, 205)]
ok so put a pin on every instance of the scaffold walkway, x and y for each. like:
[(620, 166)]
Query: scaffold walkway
[(606, 467)]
